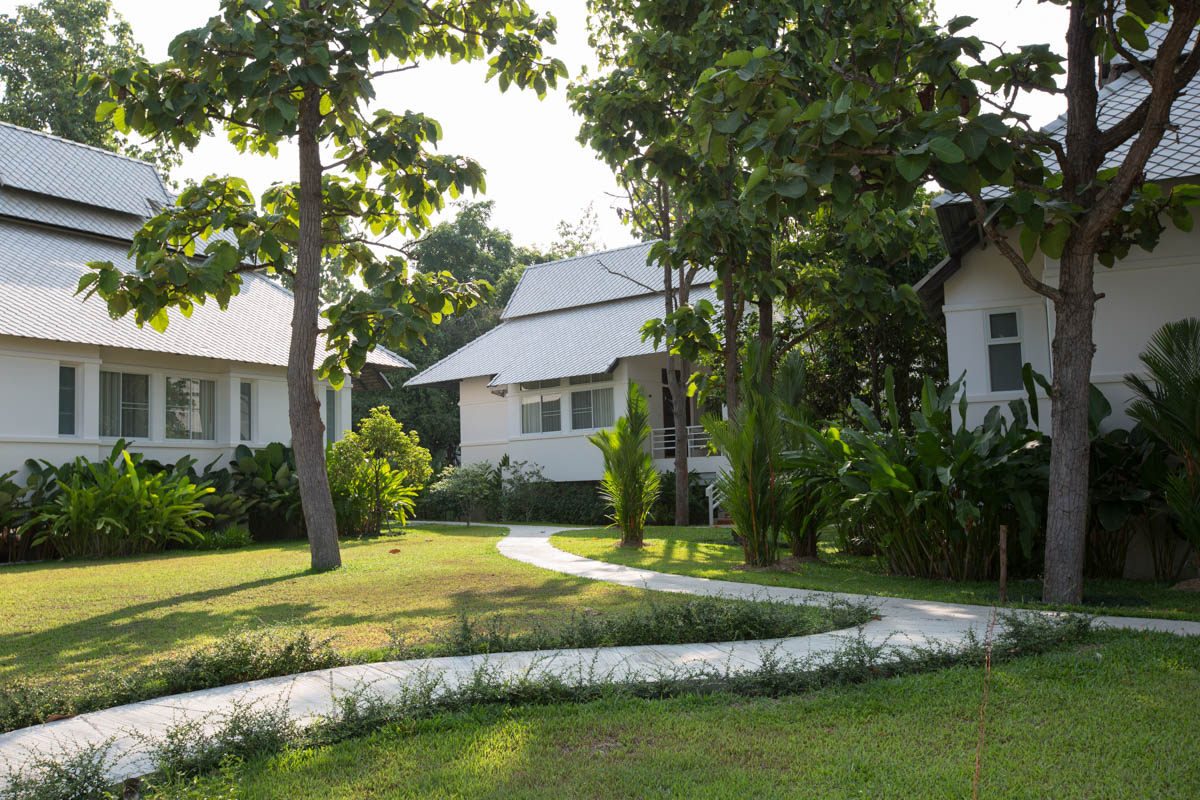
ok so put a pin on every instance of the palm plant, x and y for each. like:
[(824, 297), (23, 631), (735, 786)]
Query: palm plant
[(631, 483), (1168, 406), (756, 489)]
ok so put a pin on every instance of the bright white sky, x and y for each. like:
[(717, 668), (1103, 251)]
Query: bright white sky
[(536, 172)]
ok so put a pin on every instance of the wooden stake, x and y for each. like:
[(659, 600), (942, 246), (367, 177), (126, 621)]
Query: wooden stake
[(1003, 563)]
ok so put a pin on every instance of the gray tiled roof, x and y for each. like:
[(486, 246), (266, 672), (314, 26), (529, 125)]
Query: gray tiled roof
[(1177, 155), (40, 268), (66, 214), (592, 278), (45, 164), (557, 344)]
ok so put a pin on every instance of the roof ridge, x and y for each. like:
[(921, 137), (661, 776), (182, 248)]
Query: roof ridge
[(587, 255), (65, 140)]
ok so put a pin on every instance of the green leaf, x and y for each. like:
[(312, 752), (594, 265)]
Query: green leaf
[(946, 151), (958, 23), (160, 320), (1053, 239), (912, 167), (756, 177), (1132, 31)]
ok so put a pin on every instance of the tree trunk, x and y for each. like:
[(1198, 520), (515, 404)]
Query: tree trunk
[(679, 406), (766, 335), (308, 431), (730, 312), (1066, 514)]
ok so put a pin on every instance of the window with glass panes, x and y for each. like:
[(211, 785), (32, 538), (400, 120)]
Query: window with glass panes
[(66, 401), (124, 405), (1004, 351), (246, 395), (191, 408), (591, 408), (541, 413)]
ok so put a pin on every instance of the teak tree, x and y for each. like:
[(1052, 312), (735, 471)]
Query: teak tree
[(840, 121), (303, 71)]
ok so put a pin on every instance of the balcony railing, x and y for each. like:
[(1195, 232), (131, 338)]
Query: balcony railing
[(662, 442)]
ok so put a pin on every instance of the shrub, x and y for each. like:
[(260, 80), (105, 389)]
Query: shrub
[(267, 477), (231, 538), (375, 474), (1170, 410), (932, 500), (110, 509), (465, 492), (663, 512), (631, 483)]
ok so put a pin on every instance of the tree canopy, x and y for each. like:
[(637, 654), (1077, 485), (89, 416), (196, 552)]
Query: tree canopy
[(269, 71), (46, 51)]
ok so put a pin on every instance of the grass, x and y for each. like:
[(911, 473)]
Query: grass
[(67, 619), (712, 553), (1109, 719)]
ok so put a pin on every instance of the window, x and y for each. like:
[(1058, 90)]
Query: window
[(330, 415), (246, 408), (592, 409), (191, 408), (1004, 351), (124, 405), (66, 401), (541, 413), (598, 377), (533, 386)]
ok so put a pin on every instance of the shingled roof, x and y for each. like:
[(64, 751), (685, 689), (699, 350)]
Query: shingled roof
[(576, 316), (62, 205)]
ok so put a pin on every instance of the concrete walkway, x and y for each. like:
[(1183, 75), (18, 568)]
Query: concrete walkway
[(902, 623)]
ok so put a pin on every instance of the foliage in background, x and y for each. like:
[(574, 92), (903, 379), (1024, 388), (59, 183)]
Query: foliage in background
[(1169, 408), (46, 49), (375, 473), (931, 496), (470, 248), (466, 492), (631, 484)]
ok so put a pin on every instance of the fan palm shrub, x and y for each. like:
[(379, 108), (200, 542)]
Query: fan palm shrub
[(1168, 406), (631, 483)]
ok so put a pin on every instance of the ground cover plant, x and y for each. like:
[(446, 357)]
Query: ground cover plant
[(200, 647), (913, 737), (713, 553)]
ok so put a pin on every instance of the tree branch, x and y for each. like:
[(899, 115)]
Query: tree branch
[(1008, 251)]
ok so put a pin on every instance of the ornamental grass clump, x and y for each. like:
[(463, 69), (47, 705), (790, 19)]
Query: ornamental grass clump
[(631, 483)]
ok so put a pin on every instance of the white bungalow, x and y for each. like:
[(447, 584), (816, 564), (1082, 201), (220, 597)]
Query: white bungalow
[(995, 324), (557, 367), (73, 380)]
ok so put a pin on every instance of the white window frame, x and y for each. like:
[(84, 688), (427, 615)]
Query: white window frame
[(532, 392), (77, 396), (243, 384), (166, 407), (121, 405), (989, 340), (591, 386)]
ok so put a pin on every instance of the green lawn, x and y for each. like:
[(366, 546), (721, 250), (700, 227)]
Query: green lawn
[(712, 553), (1110, 719), (59, 620)]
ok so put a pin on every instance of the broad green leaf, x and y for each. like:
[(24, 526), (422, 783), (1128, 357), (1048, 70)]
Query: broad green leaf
[(946, 151)]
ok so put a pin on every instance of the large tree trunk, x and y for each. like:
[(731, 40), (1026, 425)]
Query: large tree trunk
[(679, 407), (308, 431), (766, 336), (1066, 523)]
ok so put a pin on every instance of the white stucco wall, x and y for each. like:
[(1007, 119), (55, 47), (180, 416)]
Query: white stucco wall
[(1142, 292), (491, 425), (29, 399)]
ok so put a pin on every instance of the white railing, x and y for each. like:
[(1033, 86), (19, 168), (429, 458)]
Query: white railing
[(662, 442), (713, 495)]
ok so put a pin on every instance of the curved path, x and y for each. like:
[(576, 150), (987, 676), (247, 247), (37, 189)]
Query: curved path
[(901, 623)]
